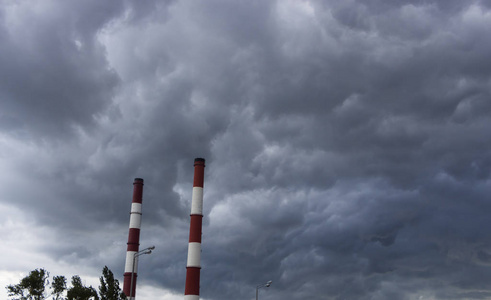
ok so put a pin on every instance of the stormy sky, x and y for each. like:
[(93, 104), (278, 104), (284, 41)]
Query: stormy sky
[(347, 144)]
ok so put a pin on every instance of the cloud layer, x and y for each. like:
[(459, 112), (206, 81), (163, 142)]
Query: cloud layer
[(346, 143)]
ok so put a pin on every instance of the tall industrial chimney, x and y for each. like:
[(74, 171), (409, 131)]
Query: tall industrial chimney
[(193, 267), (130, 269)]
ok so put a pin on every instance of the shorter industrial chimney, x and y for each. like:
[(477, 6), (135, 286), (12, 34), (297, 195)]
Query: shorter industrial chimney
[(130, 269)]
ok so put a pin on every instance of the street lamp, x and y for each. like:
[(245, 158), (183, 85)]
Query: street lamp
[(267, 284), (144, 251)]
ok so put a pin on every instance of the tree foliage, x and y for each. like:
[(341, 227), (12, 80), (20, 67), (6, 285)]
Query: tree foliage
[(31, 287), (36, 286), (78, 291), (109, 288), (59, 286)]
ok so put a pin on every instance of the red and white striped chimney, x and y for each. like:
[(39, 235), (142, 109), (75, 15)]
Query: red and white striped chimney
[(133, 240), (193, 267)]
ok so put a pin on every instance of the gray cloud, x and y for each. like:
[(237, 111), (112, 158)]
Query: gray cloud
[(54, 72), (346, 143)]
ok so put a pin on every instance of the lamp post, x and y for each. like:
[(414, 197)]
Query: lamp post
[(267, 284), (144, 251)]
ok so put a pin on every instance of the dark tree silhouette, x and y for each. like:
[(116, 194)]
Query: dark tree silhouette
[(59, 286), (31, 287), (80, 292), (35, 286), (109, 288)]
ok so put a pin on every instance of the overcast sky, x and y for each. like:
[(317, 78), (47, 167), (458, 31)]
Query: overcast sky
[(347, 144)]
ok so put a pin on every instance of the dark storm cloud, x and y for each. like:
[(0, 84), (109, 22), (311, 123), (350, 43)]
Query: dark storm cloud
[(54, 74), (346, 143), (388, 109)]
